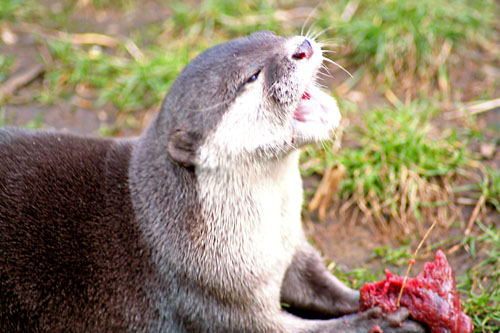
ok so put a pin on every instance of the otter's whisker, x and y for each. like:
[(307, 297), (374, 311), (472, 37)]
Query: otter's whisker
[(322, 32), (309, 16), (329, 42), (319, 85), (323, 66), (324, 69), (324, 75), (336, 64)]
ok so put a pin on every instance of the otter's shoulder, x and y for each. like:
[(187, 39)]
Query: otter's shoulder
[(30, 148), (20, 140), (42, 160)]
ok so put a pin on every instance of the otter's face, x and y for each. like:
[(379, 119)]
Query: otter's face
[(250, 99)]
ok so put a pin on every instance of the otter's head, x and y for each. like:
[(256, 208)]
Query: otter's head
[(246, 100)]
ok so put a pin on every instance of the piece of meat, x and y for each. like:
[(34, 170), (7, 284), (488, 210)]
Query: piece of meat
[(431, 297)]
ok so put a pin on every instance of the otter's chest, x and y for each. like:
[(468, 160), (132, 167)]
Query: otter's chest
[(253, 221)]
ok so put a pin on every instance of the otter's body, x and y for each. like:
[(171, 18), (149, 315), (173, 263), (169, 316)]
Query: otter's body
[(71, 255), (192, 227)]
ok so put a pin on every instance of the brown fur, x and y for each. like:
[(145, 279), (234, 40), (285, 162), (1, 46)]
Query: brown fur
[(67, 233), (192, 227)]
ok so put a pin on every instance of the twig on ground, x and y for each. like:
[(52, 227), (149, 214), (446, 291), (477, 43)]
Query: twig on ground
[(90, 38), (392, 98), (74, 38), (412, 261), (324, 194), (475, 213), (86, 39), (133, 50), (484, 106), (474, 109), (443, 82), (13, 84)]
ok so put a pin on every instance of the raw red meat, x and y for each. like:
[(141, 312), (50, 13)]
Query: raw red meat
[(431, 297)]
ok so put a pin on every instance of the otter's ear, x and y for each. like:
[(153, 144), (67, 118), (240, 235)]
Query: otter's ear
[(181, 147)]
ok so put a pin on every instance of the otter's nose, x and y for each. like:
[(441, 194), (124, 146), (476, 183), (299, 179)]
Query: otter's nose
[(304, 50)]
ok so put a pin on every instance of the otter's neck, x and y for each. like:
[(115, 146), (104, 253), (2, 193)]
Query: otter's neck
[(208, 225), (219, 209), (164, 194), (242, 203), (251, 224)]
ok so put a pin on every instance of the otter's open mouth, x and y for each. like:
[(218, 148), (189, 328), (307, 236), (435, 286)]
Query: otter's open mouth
[(316, 106)]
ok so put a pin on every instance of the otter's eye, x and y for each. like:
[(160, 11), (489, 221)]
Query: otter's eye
[(253, 77)]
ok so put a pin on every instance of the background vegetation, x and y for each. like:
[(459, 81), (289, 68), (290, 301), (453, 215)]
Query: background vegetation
[(421, 112)]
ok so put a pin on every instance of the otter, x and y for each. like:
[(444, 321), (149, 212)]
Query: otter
[(195, 225)]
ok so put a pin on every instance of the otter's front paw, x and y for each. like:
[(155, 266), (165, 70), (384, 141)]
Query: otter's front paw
[(375, 321), (347, 303)]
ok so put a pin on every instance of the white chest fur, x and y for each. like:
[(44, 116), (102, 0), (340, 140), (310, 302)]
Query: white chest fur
[(254, 224)]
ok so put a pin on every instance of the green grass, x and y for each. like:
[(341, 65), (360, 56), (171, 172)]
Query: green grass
[(11, 9), (22, 11), (395, 168), (5, 65), (3, 118), (395, 256), (356, 278), (231, 18), (120, 4), (482, 282), (116, 78), (34, 123), (406, 37), (486, 185), (390, 37), (490, 187)]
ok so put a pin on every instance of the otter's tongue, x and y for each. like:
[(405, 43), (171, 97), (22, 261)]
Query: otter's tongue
[(315, 106)]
